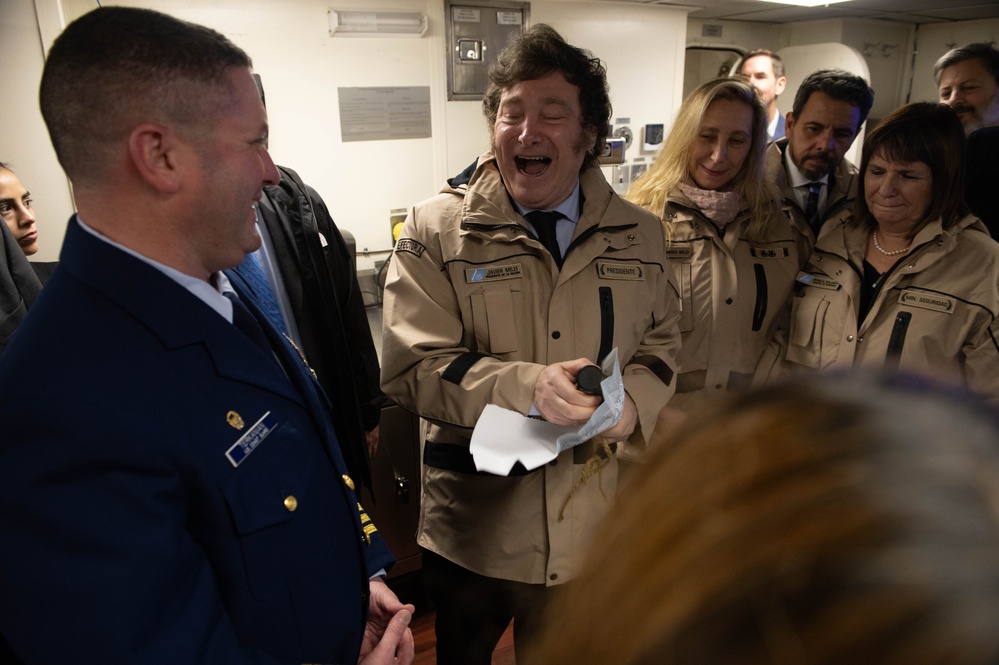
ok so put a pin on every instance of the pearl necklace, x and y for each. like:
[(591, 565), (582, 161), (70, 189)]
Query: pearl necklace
[(894, 252)]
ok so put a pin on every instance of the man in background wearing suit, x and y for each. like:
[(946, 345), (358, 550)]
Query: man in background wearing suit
[(765, 71), (171, 489)]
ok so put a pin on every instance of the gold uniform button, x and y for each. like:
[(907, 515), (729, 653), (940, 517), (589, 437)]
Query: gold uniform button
[(348, 482), (291, 503)]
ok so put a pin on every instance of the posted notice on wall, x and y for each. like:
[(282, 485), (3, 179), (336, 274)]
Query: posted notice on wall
[(381, 114)]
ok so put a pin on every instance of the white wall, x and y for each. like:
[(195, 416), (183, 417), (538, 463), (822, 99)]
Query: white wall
[(747, 34), (889, 75), (302, 66), (24, 143)]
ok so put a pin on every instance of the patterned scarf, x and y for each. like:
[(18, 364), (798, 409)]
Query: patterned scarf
[(720, 207)]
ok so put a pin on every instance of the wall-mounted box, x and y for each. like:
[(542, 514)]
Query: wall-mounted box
[(475, 33)]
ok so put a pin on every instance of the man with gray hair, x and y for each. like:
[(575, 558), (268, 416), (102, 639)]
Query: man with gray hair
[(968, 80), (765, 71)]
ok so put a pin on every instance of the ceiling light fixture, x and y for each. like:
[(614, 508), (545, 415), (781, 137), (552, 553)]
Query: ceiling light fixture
[(804, 3), (362, 23)]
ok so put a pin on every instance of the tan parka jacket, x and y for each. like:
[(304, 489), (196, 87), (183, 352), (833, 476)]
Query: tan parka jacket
[(840, 202), (475, 308), (935, 313), (735, 293)]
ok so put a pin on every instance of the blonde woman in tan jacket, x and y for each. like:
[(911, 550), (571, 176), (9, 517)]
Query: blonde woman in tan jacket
[(734, 253)]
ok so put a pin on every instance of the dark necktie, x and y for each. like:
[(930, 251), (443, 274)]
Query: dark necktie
[(544, 225), (812, 207), (244, 320), (260, 290)]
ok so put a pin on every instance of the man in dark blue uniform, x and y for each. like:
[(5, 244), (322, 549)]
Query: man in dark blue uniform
[(171, 489)]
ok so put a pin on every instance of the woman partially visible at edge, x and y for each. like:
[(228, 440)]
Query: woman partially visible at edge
[(912, 282), (734, 253)]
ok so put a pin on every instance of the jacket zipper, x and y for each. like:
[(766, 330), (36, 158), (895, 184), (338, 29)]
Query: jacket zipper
[(606, 322), (760, 311), (897, 340)]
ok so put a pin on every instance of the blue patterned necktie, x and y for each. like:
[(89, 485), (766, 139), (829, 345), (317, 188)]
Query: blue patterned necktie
[(544, 225), (812, 206), (258, 288)]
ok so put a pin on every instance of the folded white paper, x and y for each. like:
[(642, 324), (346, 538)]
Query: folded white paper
[(502, 437)]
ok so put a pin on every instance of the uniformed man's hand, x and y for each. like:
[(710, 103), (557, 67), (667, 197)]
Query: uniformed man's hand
[(387, 637), (558, 400)]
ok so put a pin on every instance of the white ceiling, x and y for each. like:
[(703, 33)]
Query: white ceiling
[(909, 11)]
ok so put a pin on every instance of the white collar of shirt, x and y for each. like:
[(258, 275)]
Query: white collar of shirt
[(799, 183), (772, 127), (201, 289), (568, 208), (565, 227)]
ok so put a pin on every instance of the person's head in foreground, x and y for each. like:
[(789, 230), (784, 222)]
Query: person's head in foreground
[(839, 520)]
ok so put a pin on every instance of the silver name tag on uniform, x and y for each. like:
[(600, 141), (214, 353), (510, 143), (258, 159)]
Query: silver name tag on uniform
[(493, 274), (679, 252), (927, 301), (610, 270), (251, 440), (812, 280)]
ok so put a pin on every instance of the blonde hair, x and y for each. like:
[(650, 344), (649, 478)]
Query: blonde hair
[(670, 167), (851, 519)]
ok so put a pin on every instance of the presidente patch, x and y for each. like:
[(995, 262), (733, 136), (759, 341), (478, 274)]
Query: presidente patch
[(612, 270), (411, 246), (821, 282), (769, 252), (251, 440), (493, 274), (682, 252), (928, 301)]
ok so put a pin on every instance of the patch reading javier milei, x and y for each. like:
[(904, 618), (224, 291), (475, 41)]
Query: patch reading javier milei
[(612, 270), (410, 245), (493, 273), (927, 301), (679, 252)]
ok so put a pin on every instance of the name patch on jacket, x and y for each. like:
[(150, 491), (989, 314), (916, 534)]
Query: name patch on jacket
[(683, 252), (493, 274), (822, 283), (611, 270), (769, 252), (410, 245), (253, 438), (927, 301)]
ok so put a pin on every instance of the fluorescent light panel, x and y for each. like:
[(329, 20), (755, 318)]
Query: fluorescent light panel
[(362, 23)]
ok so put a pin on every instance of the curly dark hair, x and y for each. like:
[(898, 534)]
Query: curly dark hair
[(536, 54), (839, 84)]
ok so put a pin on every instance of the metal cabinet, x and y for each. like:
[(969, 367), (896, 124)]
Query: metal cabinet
[(395, 474)]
